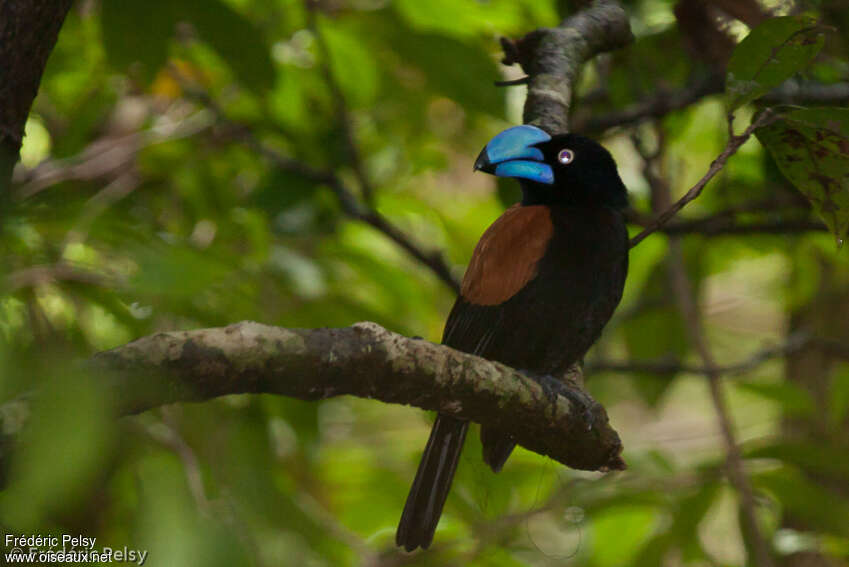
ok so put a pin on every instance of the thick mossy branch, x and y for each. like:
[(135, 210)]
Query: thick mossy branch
[(553, 58), (364, 360)]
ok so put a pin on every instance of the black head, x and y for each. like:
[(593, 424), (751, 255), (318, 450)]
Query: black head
[(567, 169)]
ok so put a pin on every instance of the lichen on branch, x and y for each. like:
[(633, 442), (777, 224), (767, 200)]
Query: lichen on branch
[(364, 360)]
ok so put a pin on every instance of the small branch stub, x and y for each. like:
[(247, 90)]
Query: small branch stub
[(553, 57)]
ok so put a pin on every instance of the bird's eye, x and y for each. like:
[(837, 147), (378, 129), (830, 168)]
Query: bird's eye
[(566, 156)]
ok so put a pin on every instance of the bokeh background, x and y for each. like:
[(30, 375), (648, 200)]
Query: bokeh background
[(155, 193)]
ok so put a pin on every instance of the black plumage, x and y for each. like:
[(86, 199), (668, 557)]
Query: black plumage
[(543, 281)]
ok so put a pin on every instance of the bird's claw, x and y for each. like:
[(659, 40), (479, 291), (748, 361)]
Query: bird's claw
[(584, 403), (552, 387)]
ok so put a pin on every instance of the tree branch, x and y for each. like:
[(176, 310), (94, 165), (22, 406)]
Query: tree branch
[(658, 105), (107, 157), (552, 58), (665, 101), (729, 227), (795, 343), (734, 143), (348, 201), (28, 32), (688, 306), (366, 361), (725, 223), (342, 112)]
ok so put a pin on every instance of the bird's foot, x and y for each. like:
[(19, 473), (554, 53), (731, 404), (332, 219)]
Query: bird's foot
[(552, 387)]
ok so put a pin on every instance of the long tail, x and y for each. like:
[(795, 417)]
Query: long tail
[(496, 448), (432, 483)]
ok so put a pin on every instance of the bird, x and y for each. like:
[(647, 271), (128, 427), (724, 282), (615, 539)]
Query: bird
[(543, 281)]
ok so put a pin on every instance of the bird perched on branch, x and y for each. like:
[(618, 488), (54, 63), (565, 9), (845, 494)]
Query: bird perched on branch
[(543, 281)]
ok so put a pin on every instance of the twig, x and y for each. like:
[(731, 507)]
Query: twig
[(166, 432), (352, 207), (119, 188), (512, 82), (342, 112), (683, 291), (734, 143), (41, 275), (658, 105), (347, 200), (336, 529), (795, 343), (796, 92), (724, 222), (366, 361), (730, 227), (666, 101), (105, 156)]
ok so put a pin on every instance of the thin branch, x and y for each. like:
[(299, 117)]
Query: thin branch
[(348, 201), (730, 227), (313, 509), (795, 343), (796, 92), (666, 101), (734, 143), (366, 361), (661, 367), (786, 218), (41, 275), (658, 105), (512, 82), (688, 306), (107, 156), (166, 433), (341, 105)]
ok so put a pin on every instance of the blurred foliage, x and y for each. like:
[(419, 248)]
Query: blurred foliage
[(139, 208)]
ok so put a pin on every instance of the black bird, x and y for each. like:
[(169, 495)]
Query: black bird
[(543, 281)]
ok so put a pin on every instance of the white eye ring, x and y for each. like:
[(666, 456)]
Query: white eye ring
[(566, 156)]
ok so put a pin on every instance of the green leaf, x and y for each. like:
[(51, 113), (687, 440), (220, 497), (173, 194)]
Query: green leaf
[(656, 330), (792, 398), (137, 35), (772, 53), (235, 39), (806, 499), (838, 401), (819, 458), (629, 526), (70, 424), (811, 148), (352, 63), (450, 67)]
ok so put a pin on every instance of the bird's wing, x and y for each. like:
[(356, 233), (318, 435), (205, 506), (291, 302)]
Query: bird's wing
[(506, 257), (503, 263)]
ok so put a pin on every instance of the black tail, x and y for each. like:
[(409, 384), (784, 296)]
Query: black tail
[(496, 448), (432, 483)]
